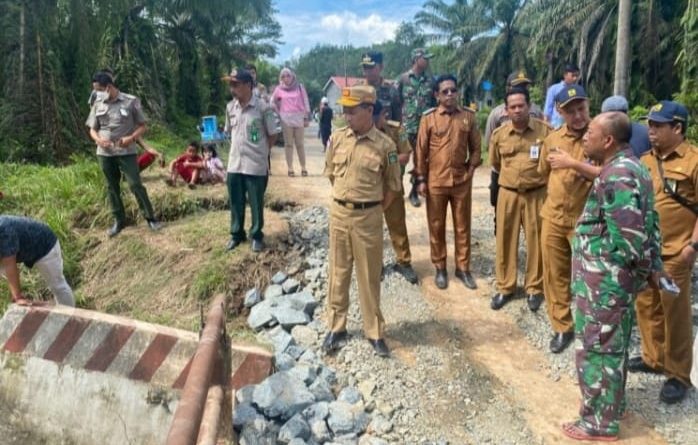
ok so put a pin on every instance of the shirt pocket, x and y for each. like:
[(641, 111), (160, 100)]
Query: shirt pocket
[(339, 164), (102, 116), (369, 173), (679, 183)]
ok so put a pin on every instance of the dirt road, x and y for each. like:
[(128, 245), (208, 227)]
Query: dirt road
[(492, 339)]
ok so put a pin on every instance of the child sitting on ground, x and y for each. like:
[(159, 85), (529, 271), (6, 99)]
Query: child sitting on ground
[(187, 166), (213, 171)]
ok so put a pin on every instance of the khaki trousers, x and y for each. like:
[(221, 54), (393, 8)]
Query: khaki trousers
[(556, 251), (293, 135), (516, 210), (356, 238), (394, 216), (666, 324), (460, 199)]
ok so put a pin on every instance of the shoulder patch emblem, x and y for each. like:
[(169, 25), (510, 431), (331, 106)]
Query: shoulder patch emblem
[(392, 157)]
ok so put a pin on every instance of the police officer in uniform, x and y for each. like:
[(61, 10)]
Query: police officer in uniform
[(363, 167), (388, 105), (664, 319), (116, 121), (514, 152), (448, 152)]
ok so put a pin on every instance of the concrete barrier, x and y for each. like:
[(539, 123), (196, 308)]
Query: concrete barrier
[(85, 377)]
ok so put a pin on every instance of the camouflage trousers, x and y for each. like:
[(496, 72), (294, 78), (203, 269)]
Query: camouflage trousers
[(602, 338)]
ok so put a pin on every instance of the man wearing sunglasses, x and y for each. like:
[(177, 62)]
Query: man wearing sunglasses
[(447, 154)]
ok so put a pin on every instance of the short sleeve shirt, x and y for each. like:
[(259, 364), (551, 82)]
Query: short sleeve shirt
[(250, 127), (681, 174), (515, 154), (362, 168), (567, 189), (28, 239), (115, 119)]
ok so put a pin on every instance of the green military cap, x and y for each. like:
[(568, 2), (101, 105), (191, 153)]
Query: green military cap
[(421, 52)]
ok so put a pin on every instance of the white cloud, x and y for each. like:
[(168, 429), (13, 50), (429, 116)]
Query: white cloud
[(303, 31)]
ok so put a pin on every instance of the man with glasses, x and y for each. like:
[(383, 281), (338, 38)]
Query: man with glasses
[(447, 154)]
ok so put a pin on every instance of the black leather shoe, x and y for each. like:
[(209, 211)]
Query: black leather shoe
[(441, 279), (499, 300), (534, 301), (414, 198), (154, 225), (466, 278), (560, 341), (407, 272), (334, 341), (258, 245), (380, 347), (673, 391), (232, 244), (115, 229), (636, 364)]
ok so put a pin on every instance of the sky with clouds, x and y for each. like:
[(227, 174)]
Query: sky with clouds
[(359, 22)]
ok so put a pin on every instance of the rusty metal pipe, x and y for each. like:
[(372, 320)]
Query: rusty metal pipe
[(187, 418), (208, 433)]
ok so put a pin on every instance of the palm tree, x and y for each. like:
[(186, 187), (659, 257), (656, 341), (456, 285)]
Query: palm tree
[(621, 76)]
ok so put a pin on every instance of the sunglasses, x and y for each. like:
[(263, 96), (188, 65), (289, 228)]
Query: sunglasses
[(448, 91)]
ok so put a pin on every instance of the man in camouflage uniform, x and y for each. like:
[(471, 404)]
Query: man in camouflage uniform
[(415, 92), (394, 214), (616, 249), (386, 93)]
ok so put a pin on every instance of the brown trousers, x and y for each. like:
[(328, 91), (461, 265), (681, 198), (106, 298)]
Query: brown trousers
[(395, 220), (356, 237), (516, 210), (666, 324), (556, 251), (460, 199)]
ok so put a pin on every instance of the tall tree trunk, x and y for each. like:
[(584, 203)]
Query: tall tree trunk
[(22, 31), (621, 76)]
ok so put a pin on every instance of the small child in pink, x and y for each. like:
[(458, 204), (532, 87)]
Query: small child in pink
[(213, 171)]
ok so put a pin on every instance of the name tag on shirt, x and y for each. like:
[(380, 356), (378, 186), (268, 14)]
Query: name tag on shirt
[(534, 151), (124, 112)]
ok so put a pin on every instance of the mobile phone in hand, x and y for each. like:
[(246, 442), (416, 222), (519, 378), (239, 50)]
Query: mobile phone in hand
[(669, 286)]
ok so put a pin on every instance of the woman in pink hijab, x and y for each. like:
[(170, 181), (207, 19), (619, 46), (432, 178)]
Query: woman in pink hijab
[(290, 100)]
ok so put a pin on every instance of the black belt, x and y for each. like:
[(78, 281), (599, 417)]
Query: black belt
[(357, 205), (522, 190)]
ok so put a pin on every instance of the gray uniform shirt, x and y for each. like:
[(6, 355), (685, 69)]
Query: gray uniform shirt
[(249, 129), (115, 119)]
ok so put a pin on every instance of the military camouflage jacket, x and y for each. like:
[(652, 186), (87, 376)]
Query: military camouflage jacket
[(617, 240), (416, 96)]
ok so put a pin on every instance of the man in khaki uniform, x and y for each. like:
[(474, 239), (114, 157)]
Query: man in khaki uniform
[(567, 194), (363, 168), (514, 153), (664, 319), (116, 122), (447, 154), (388, 103)]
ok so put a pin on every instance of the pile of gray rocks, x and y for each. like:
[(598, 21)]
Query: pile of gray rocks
[(302, 402)]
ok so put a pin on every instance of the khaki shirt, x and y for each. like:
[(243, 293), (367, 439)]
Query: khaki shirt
[(681, 172), (447, 145), (362, 168), (498, 116), (114, 120), (250, 128), (397, 134), (515, 155), (567, 189)]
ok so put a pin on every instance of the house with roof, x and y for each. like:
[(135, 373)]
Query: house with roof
[(333, 89)]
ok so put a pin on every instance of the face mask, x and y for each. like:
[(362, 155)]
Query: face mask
[(101, 95)]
